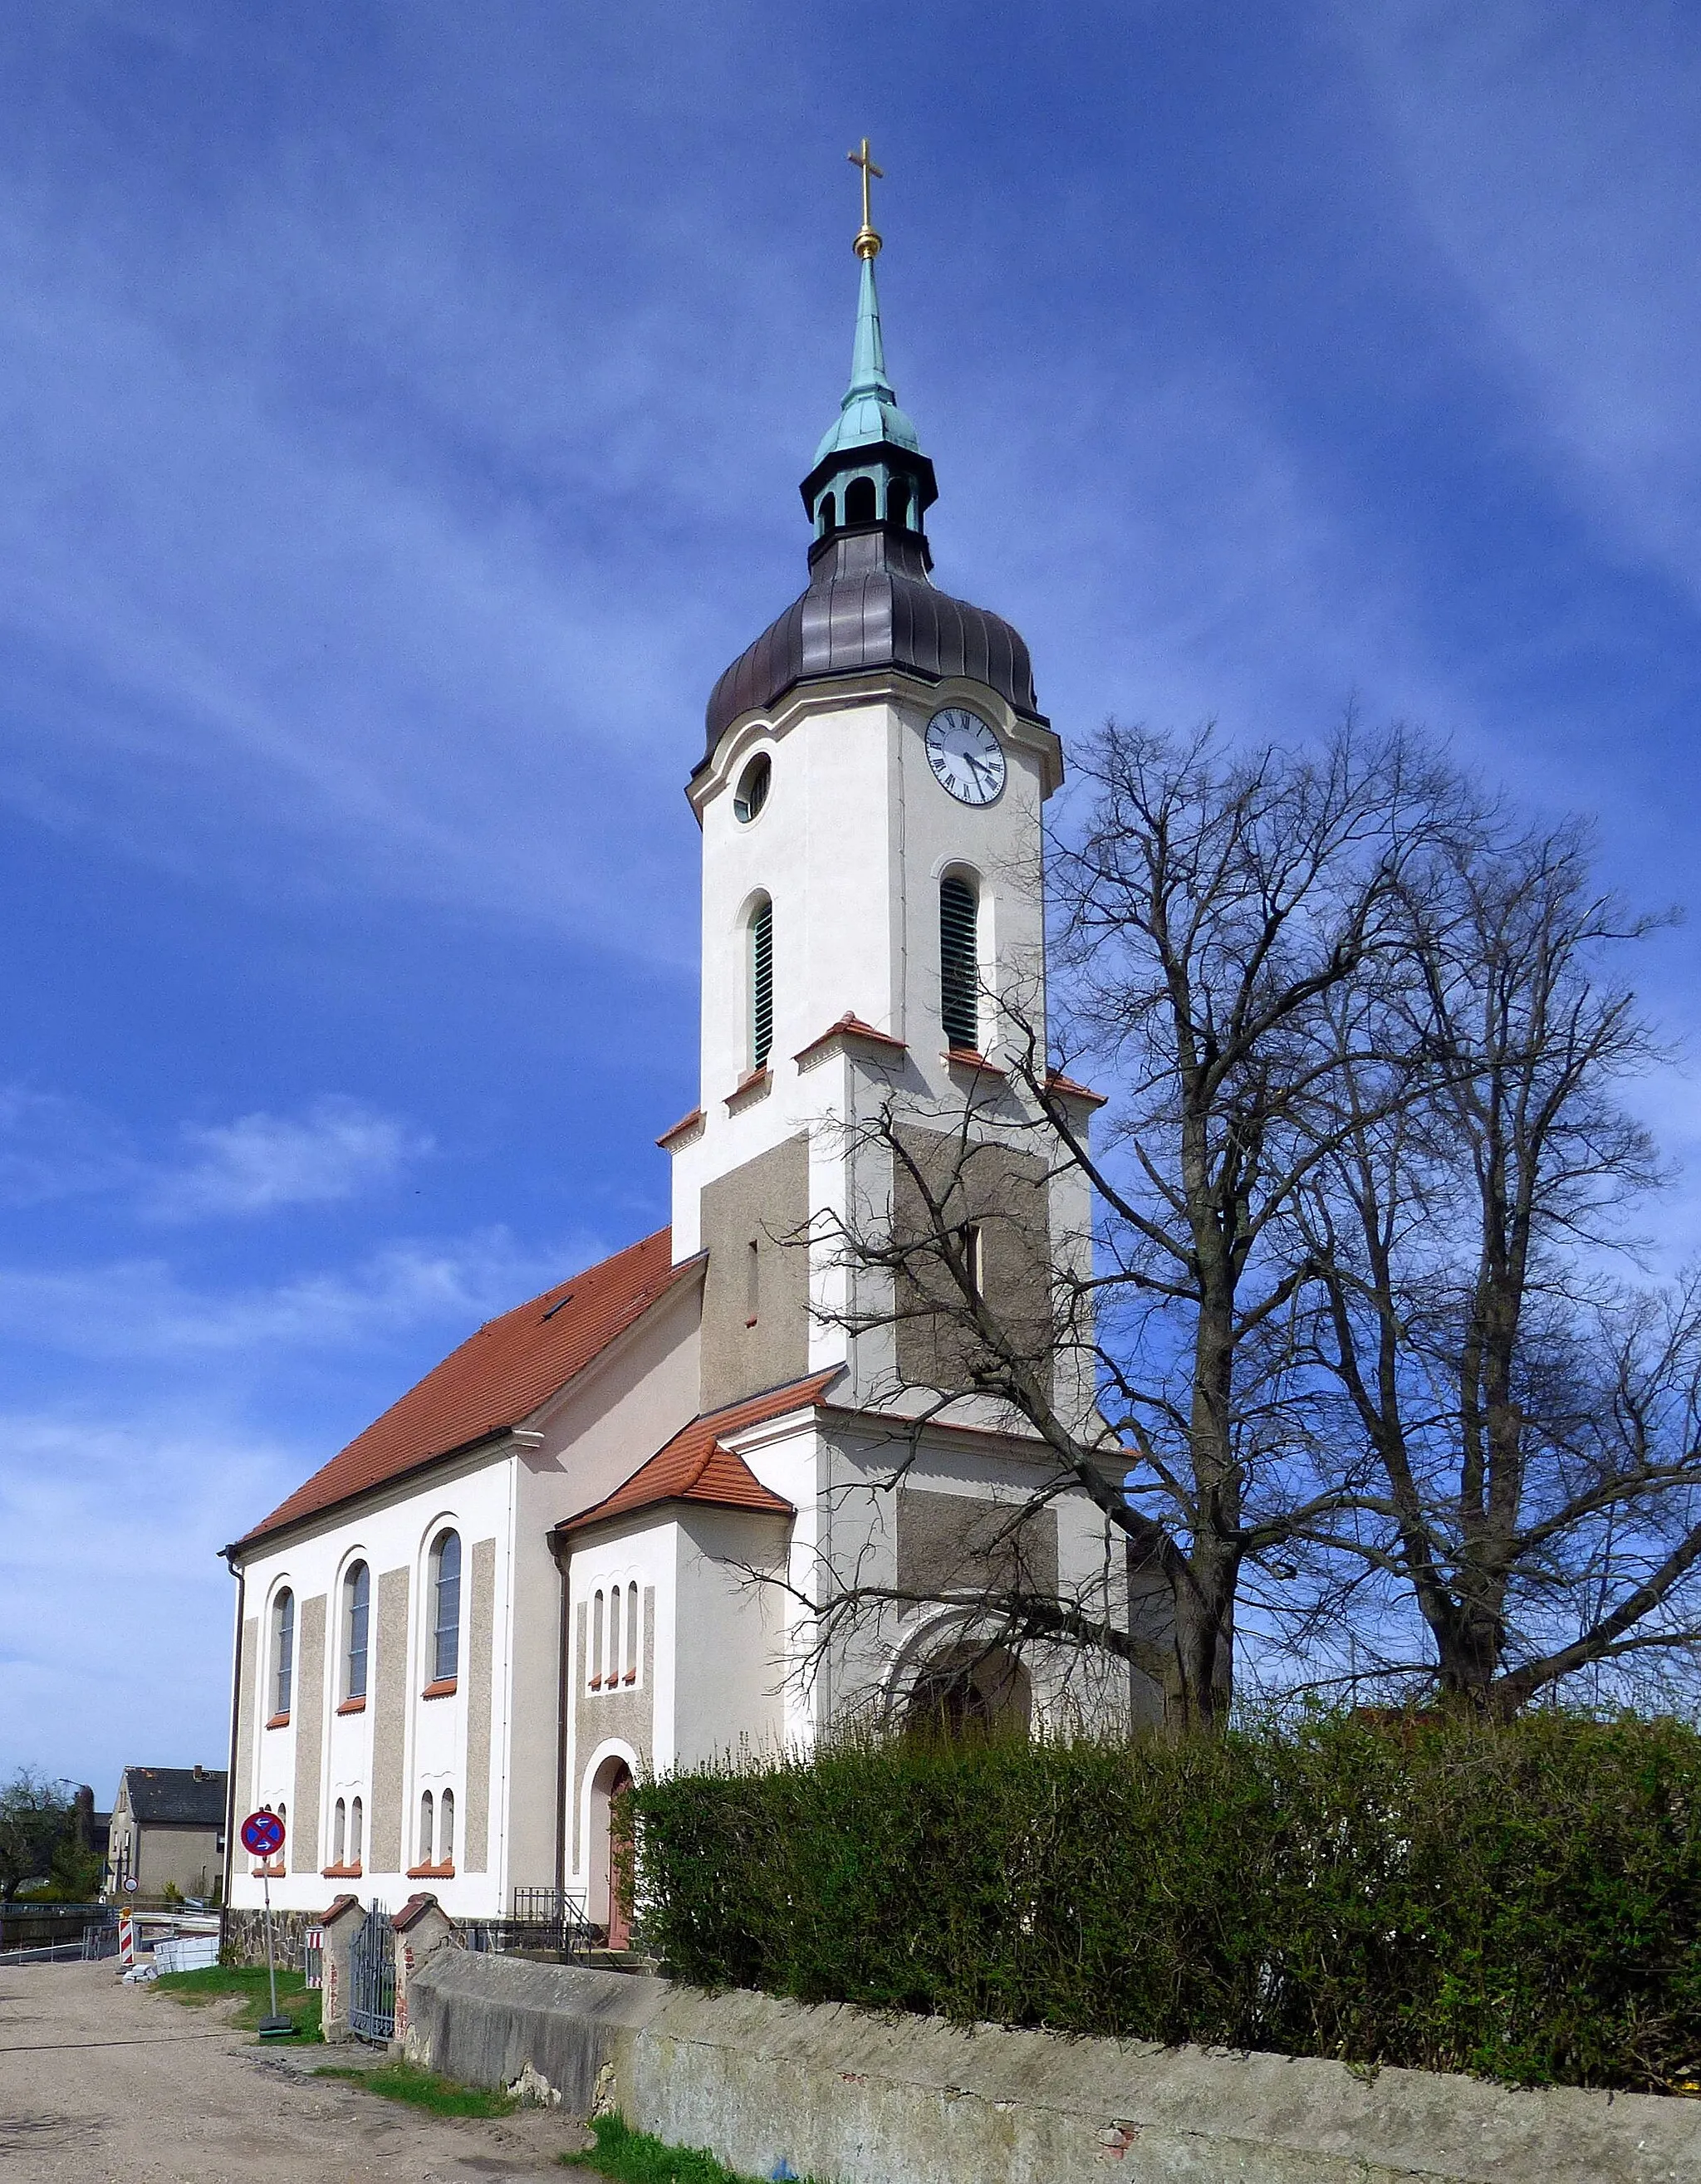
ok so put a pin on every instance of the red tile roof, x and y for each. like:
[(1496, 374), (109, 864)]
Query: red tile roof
[(696, 1465), (685, 1122), (851, 1026), (497, 1378), (1056, 1081)]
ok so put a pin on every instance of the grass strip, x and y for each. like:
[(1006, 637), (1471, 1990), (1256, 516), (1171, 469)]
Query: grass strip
[(246, 1983), (626, 2156), (425, 2089)]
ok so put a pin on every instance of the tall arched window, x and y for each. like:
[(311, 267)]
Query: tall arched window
[(445, 1827), (596, 1641), (898, 502), (761, 984), (357, 1592), (445, 1607), (425, 1828), (959, 957), (283, 1652), (827, 511), (355, 1819), (339, 1834), (859, 501), (612, 1671), (632, 1633)]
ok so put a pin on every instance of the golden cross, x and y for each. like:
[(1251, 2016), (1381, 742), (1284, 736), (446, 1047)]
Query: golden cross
[(868, 244)]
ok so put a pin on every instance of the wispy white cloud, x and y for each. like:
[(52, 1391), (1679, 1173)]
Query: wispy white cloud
[(52, 1146), (338, 1148), (141, 1310)]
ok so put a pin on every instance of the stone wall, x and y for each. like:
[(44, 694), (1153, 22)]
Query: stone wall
[(243, 1937), (842, 2093)]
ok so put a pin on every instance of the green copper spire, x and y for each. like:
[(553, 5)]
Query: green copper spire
[(869, 472), (869, 412)]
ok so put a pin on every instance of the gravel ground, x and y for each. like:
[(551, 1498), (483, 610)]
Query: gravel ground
[(105, 2084)]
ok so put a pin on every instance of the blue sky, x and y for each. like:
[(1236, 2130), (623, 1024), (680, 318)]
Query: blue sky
[(401, 410)]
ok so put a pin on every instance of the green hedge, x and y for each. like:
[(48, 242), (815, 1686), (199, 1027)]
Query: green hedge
[(1524, 1904)]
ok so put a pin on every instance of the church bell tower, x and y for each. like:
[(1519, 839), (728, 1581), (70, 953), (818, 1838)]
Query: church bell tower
[(870, 796)]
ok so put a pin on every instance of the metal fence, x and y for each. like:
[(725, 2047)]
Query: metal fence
[(58, 1934), (546, 1922)]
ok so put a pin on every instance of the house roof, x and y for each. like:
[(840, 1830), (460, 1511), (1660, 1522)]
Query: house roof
[(497, 1377), (696, 1465), (177, 1796)]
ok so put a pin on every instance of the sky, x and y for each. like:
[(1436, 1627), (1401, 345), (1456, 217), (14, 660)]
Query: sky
[(401, 405)]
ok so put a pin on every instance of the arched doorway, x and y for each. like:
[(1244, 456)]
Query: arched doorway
[(612, 1779), (971, 1690)]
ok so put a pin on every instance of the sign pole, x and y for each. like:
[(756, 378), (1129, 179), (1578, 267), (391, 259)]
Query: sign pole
[(271, 1964), (262, 1836)]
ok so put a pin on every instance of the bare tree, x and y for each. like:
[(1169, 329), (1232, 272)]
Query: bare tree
[(1212, 907), (1535, 1424)]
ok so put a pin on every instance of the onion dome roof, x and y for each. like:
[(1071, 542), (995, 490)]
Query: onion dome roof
[(870, 602)]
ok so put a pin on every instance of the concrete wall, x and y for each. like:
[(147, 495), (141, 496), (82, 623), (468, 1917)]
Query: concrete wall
[(850, 2097)]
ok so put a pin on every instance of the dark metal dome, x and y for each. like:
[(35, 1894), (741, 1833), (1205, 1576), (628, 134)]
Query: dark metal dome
[(870, 604)]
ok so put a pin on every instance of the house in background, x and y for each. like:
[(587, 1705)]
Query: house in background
[(168, 1831)]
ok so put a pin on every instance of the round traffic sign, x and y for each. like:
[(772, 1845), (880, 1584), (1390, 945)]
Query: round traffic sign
[(262, 1833), (131, 1884)]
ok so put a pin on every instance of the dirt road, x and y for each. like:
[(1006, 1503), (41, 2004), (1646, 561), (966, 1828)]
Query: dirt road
[(105, 2084)]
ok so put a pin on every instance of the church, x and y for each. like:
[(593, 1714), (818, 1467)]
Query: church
[(594, 1542)]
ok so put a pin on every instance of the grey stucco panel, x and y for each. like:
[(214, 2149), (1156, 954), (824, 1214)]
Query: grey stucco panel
[(597, 1715), (481, 1641), (755, 1331), (309, 1709), (1005, 1193), (837, 2092), (950, 1543), (389, 1723), (248, 1661)]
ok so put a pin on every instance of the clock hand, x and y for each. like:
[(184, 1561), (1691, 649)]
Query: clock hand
[(982, 772)]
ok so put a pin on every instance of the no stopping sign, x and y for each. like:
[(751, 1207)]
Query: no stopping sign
[(262, 1835)]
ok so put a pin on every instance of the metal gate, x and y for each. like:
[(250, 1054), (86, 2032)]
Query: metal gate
[(372, 1977)]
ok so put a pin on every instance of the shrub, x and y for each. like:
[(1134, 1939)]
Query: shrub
[(1523, 1904)]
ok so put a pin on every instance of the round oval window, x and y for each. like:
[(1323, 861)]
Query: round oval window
[(751, 793)]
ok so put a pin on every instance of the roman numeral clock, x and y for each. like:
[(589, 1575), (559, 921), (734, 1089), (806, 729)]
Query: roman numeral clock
[(967, 758)]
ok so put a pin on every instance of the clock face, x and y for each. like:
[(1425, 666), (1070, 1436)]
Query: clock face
[(967, 758)]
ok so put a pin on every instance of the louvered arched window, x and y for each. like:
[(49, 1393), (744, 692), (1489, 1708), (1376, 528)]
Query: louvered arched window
[(959, 956), (761, 984)]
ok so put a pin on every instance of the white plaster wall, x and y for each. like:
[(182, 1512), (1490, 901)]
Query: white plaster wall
[(395, 1531), (851, 847), (645, 1553), (730, 1669), (606, 1424), (880, 1653)]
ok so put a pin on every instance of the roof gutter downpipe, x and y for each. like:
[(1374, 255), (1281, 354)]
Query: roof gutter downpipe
[(241, 1575)]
